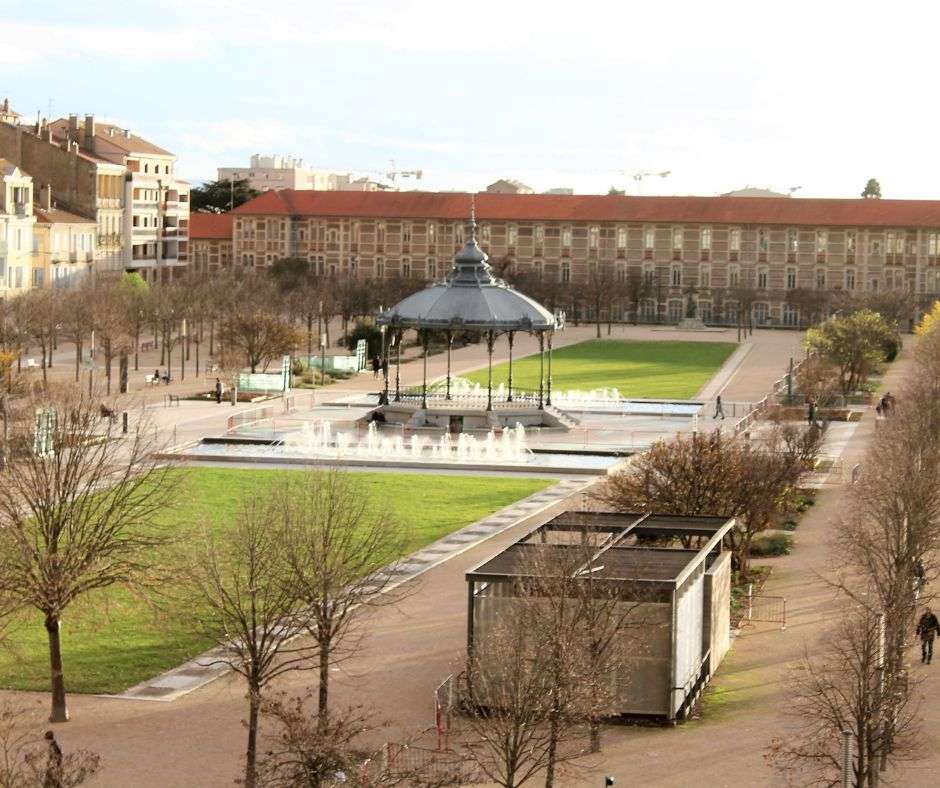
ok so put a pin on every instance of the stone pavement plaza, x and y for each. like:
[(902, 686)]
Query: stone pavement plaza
[(410, 647)]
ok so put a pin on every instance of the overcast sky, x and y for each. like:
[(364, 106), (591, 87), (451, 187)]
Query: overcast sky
[(821, 95)]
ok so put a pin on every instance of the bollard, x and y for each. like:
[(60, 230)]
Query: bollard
[(856, 470), (124, 422)]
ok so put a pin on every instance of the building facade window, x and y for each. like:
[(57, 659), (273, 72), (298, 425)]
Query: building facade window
[(649, 273), (512, 235), (705, 276), (380, 233), (822, 241), (539, 234), (485, 233), (761, 312), (677, 239), (432, 268), (734, 239), (793, 240), (850, 241), (791, 278), (734, 276), (820, 278), (406, 232), (932, 244), (432, 233), (675, 310), (874, 247), (621, 237), (849, 278), (566, 236), (594, 236), (565, 271), (791, 315), (706, 239), (762, 278), (406, 268), (675, 276), (705, 311), (649, 237), (763, 242), (895, 243)]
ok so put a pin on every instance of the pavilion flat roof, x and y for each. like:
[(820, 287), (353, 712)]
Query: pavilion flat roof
[(613, 558)]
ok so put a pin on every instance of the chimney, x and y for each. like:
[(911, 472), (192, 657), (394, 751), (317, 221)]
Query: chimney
[(73, 127), (45, 197), (127, 133), (89, 144)]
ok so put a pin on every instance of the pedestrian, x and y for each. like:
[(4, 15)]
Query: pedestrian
[(218, 391), (719, 411), (53, 774), (376, 365), (889, 398), (883, 406), (920, 575), (385, 366), (927, 628), (811, 409)]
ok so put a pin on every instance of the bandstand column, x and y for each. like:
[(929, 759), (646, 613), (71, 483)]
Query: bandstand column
[(511, 336), (424, 383), (398, 367), (450, 341), (548, 398), (541, 370), (490, 341)]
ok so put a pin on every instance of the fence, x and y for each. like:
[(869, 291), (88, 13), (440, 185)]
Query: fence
[(761, 607), (778, 386), (406, 764)]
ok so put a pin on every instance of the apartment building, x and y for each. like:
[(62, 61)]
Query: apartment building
[(265, 173), (65, 245), (210, 241), (16, 229), (714, 250), (126, 184)]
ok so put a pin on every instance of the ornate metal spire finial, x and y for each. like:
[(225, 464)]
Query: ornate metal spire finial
[(473, 217)]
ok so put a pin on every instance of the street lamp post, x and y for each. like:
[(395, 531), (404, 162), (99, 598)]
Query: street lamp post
[(383, 400), (322, 359)]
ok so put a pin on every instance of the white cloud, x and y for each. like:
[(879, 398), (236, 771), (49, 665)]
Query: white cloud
[(27, 43)]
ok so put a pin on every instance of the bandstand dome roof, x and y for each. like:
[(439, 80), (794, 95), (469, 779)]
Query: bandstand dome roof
[(470, 298)]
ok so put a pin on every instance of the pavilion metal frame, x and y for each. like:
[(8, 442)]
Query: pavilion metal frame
[(472, 300)]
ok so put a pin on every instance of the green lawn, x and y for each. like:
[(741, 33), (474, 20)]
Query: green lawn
[(118, 638), (655, 370)]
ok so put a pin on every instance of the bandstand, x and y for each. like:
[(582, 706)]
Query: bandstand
[(470, 301)]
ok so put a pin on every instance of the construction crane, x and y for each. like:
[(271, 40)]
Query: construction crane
[(393, 173)]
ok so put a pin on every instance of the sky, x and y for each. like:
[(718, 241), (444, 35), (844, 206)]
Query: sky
[(817, 95)]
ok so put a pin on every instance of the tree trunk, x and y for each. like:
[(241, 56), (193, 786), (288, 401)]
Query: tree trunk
[(251, 754), (552, 750), (323, 694), (78, 360), (60, 711)]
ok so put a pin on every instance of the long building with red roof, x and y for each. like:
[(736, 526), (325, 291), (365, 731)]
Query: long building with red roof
[(210, 240), (657, 254)]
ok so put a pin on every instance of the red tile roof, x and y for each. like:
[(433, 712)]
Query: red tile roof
[(58, 216), (596, 207), (210, 225)]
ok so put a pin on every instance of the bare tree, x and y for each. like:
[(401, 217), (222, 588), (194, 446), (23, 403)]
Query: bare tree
[(260, 336), (713, 473), (336, 541), (505, 698), (30, 761), (249, 604), (844, 686), (78, 503)]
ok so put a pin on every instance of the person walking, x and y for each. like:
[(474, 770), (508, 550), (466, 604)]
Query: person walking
[(719, 410), (376, 365), (811, 410), (927, 628), (218, 391), (384, 366)]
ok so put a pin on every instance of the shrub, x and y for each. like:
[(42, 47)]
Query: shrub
[(771, 544)]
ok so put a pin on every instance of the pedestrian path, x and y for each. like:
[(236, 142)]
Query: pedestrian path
[(209, 666)]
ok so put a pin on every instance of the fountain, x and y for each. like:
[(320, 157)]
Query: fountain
[(315, 439)]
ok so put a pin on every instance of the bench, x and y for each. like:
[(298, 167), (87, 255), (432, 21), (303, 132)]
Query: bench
[(152, 380), (147, 346), (31, 364), (172, 399)]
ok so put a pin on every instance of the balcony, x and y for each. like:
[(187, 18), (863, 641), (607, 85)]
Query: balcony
[(19, 209)]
